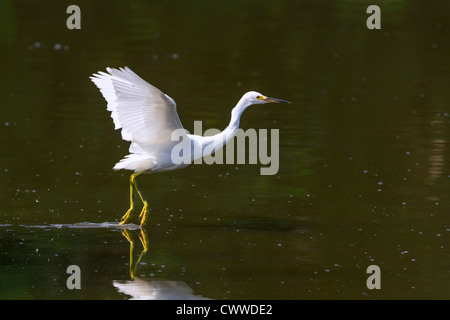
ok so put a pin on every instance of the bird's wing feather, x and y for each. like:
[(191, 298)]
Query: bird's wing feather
[(146, 115)]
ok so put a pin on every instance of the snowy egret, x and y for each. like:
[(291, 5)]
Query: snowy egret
[(148, 117)]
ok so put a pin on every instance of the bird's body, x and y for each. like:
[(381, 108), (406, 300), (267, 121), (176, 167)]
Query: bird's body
[(148, 118)]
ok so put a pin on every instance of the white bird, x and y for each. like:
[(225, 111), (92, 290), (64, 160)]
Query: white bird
[(148, 118)]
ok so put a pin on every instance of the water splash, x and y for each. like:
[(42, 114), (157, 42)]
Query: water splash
[(83, 225)]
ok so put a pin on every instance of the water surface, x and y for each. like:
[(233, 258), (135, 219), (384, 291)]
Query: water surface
[(364, 171)]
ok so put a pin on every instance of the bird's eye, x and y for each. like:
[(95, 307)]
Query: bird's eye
[(259, 97)]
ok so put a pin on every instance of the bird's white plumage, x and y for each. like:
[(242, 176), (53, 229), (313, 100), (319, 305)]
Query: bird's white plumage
[(146, 115), (148, 118)]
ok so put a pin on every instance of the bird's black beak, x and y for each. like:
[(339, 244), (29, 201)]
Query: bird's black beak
[(275, 100)]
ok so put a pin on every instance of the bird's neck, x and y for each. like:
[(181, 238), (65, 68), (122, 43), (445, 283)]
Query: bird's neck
[(216, 142), (236, 116)]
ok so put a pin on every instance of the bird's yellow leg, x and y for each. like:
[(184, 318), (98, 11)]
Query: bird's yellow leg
[(129, 213), (144, 213)]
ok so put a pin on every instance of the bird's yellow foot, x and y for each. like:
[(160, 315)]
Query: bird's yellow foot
[(126, 217), (144, 215)]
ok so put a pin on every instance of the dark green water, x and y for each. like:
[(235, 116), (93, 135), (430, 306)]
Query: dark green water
[(364, 174)]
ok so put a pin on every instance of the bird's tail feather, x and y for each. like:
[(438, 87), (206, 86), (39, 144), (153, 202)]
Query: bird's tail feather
[(136, 162)]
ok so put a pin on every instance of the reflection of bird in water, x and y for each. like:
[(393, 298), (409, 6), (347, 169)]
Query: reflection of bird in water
[(140, 289), (144, 240), (148, 118)]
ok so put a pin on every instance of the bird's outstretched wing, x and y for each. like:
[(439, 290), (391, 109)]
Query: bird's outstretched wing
[(146, 115)]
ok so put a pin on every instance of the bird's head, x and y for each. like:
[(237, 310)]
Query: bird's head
[(253, 97)]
